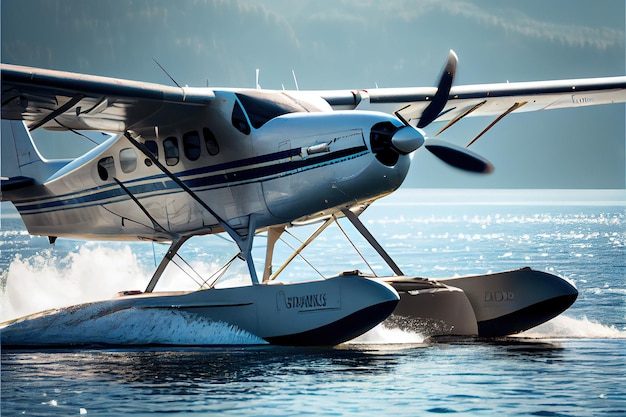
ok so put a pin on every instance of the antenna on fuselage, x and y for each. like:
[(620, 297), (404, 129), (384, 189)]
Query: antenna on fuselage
[(166, 73), (258, 86), (295, 80)]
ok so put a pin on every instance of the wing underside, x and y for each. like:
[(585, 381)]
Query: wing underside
[(63, 100)]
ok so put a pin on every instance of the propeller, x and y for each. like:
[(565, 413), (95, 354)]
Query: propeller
[(453, 155), (459, 157), (440, 99)]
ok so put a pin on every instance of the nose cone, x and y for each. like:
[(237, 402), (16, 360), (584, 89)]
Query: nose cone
[(407, 139)]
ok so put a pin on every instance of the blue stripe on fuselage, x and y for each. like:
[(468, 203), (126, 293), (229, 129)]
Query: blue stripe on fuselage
[(160, 184)]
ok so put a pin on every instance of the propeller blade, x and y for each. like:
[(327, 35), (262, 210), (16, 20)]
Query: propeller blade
[(443, 91), (458, 157)]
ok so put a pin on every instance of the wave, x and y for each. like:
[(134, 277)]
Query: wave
[(561, 327), (98, 324), (51, 279)]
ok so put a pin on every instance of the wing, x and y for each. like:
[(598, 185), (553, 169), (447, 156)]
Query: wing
[(484, 99), (422, 106), (65, 100)]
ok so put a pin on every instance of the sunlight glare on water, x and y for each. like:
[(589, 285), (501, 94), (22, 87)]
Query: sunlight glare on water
[(572, 365)]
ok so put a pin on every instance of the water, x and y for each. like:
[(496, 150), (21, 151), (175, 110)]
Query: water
[(574, 365), (514, 378)]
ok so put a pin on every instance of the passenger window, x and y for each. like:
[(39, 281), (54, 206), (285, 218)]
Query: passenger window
[(152, 147), (191, 145), (239, 120), (170, 149), (106, 168), (210, 142), (128, 160)]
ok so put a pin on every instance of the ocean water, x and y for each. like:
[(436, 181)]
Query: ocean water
[(574, 365)]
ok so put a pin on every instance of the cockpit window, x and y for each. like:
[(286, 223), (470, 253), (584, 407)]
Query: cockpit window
[(264, 106), (239, 120)]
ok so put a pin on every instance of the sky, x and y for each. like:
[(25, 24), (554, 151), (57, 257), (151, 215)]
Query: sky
[(346, 44)]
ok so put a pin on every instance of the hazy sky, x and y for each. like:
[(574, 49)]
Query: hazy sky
[(358, 44)]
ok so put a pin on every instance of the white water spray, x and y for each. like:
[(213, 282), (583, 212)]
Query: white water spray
[(571, 328)]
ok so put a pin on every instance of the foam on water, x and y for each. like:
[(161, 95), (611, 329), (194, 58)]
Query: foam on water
[(570, 244), (98, 324), (384, 335), (572, 365), (50, 281), (53, 279), (564, 326), (47, 280), (561, 327)]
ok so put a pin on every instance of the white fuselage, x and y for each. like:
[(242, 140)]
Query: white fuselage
[(292, 166)]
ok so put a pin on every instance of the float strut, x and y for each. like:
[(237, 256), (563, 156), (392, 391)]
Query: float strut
[(171, 252), (354, 219)]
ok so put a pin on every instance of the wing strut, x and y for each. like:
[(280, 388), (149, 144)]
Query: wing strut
[(155, 225), (492, 124), (460, 116), (243, 241), (182, 185)]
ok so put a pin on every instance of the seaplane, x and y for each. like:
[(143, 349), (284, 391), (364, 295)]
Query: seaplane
[(181, 162)]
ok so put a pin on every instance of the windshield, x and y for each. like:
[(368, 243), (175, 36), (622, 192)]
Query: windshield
[(262, 107)]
